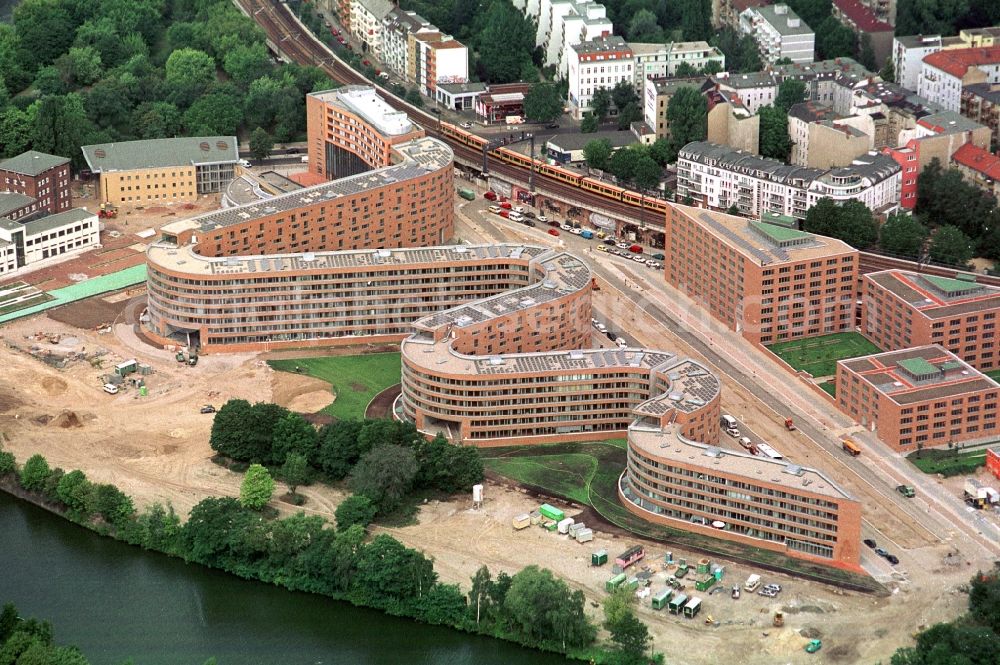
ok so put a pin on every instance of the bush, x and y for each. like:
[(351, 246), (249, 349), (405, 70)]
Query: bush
[(8, 464), (354, 510), (34, 474)]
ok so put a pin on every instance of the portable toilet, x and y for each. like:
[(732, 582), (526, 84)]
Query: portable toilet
[(703, 566), (669, 558), (143, 391), (692, 608), (614, 582), (718, 572), (661, 598), (599, 558), (677, 603)]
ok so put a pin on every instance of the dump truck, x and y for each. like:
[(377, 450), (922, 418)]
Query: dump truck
[(521, 521), (467, 194), (661, 598)]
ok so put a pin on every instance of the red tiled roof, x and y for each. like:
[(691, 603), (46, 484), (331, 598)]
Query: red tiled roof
[(957, 61), (861, 16), (978, 159)]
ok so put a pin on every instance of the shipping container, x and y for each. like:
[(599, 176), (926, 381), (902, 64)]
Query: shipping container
[(599, 558), (677, 603), (551, 512), (565, 524), (521, 521), (614, 582), (705, 583), (575, 527), (467, 194), (692, 608), (584, 536), (661, 599)]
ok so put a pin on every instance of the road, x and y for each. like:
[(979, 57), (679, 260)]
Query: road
[(934, 516)]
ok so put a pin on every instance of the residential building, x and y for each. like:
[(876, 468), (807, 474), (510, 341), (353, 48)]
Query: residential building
[(598, 63), (157, 171), (661, 60), (561, 24), (459, 96), (568, 148), (981, 103), (649, 62), (719, 177), (825, 79), (45, 178), (908, 55), (918, 398), (903, 309), (501, 100), (978, 37), (397, 27), (726, 13), (944, 74), (438, 59), (14, 206), (38, 238), (779, 33), (730, 121), (865, 23), (366, 23), (767, 282), (656, 99), (993, 461), (979, 167), (883, 10), (821, 139), (755, 89), (751, 500)]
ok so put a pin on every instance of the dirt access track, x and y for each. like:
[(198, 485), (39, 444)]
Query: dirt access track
[(156, 449)]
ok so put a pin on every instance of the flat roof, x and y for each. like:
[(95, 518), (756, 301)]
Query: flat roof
[(58, 220), (161, 153), (32, 163), (938, 297), (577, 141), (780, 22), (363, 101), (760, 243), (919, 374)]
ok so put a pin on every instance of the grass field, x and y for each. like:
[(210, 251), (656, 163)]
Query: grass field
[(947, 462), (995, 374), (354, 379), (829, 387), (819, 355), (588, 473)]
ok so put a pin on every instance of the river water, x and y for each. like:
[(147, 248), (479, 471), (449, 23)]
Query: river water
[(117, 602)]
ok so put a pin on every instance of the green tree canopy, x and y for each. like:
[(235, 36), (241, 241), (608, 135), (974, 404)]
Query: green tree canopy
[(257, 487), (34, 473), (902, 235), (385, 474), (790, 93), (774, 139), (81, 65), (542, 609), (261, 143), (505, 41), (339, 449), (623, 163), (597, 153), (293, 434), (543, 103), (834, 40), (189, 73), (247, 62), (600, 103), (687, 115), (355, 509), (950, 246), (295, 470), (643, 27), (647, 173), (589, 124), (851, 222)]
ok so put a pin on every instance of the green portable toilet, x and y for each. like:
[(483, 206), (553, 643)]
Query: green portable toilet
[(599, 558), (143, 391), (703, 566), (661, 599)]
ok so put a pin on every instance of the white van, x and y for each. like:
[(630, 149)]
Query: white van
[(110, 389), (728, 422)]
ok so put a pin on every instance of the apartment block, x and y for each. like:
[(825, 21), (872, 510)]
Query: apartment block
[(770, 504), (44, 178), (755, 89), (40, 238), (767, 282), (864, 21), (660, 60), (825, 80), (719, 177), (779, 33), (920, 397), (155, 171), (561, 24), (908, 57), (944, 74), (979, 167), (656, 98), (397, 26), (903, 309), (726, 13), (981, 103), (598, 63), (366, 23), (822, 139), (730, 122), (438, 59)]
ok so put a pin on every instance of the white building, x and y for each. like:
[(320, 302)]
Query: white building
[(945, 73), (563, 24), (649, 62), (62, 234), (908, 57), (595, 64), (397, 27), (779, 33), (438, 59), (719, 177), (696, 54), (755, 89), (366, 23)]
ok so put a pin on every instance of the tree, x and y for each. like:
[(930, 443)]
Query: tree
[(44, 30), (643, 27), (834, 40), (984, 599), (338, 449), (944, 198), (685, 70), (156, 120), (600, 103), (355, 509), (8, 464), (696, 19), (687, 115), (34, 474), (623, 94), (293, 434), (902, 235), (589, 124), (740, 51), (622, 164), (543, 103), (504, 43), (189, 72), (73, 490), (628, 114), (774, 139), (388, 570), (660, 151), (80, 66), (215, 113), (647, 173), (851, 222), (246, 63), (920, 17), (888, 71), (790, 93), (414, 97), (295, 471), (257, 487), (950, 246), (866, 52), (541, 607), (385, 474), (597, 153), (111, 504)]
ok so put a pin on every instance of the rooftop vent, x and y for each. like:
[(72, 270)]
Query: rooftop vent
[(222, 145), (794, 470), (308, 256), (576, 355), (204, 146), (100, 154)]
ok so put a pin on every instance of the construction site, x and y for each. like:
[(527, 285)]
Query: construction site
[(151, 438)]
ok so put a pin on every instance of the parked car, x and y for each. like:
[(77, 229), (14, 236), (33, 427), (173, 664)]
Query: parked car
[(543, 218), (870, 543), (602, 328), (553, 223), (635, 249), (208, 408), (773, 587), (565, 227), (659, 256), (814, 646), (881, 552), (505, 214), (552, 125), (490, 196), (623, 245), (733, 432), (553, 232), (622, 344), (611, 335), (467, 125), (506, 205), (608, 241), (602, 248), (110, 389), (576, 232), (528, 222), (892, 559), (638, 259), (529, 214), (906, 491), (519, 209), (494, 209)]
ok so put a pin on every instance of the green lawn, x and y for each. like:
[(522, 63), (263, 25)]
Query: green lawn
[(947, 462), (588, 473), (829, 387), (995, 374), (354, 379), (819, 355)]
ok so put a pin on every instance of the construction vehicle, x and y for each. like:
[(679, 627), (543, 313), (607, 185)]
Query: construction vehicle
[(975, 494), (906, 491), (180, 357), (779, 620), (107, 211), (789, 424), (851, 447)]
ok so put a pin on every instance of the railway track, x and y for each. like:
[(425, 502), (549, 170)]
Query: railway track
[(299, 44)]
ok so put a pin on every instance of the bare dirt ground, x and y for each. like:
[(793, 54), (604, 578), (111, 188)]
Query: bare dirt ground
[(156, 449)]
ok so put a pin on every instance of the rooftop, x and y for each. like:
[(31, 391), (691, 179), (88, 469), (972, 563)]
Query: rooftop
[(918, 41), (948, 122), (988, 91), (823, 69), (691, 47), (460, 88), (937, 297), (812, 112), (32, 163), (743, 81), (378, 8), (363, 101), (670, 85), (161, 153), (919, 374), (602, 45), (861, 16), (784, 20), (765, 244), (50, 222), (639, 48), (11, 201), (979, 160), (577, 141), (956, 62)]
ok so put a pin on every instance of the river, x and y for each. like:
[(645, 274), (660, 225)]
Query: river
[(117, 602)]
